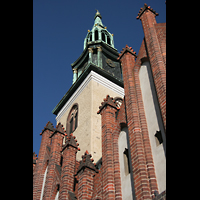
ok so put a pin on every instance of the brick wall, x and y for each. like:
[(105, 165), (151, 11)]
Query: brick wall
[(138, 160), (107, 110), (55, 156), (68, 166), (42, 160), (156, 50), (142, 56)]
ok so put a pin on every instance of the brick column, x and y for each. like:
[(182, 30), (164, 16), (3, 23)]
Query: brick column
[(147, 17), (85, 174), (55, 156), (42, 162), (146, 139), (138, 160), (68, 167), (107, 110)]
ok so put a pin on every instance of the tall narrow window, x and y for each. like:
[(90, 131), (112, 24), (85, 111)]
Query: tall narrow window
[(57, 194), (71, 125), (72, 120), (43, 184), (103, 37), (75, 126), (126, 162), (108, 40), (96, 35)]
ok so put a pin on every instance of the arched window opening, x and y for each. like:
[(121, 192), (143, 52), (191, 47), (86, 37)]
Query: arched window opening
[(96, 35), (44, 180), (90, 37), (103, 37), (72, 120), (108, 40), (57, 193), (126, 161)]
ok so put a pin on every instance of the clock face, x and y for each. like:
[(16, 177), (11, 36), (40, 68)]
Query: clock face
[(110, 62)]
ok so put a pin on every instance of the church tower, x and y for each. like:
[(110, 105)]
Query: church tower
[(96, 73)]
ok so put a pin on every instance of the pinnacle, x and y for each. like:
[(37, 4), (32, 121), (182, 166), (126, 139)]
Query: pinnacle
[(129, 49), (60, 128), (107, 101), (87, 161), (144, 8), (49, 126), (71, 141)]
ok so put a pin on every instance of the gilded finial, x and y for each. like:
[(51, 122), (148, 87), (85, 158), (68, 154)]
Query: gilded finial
[(97, 14), (97, 11)]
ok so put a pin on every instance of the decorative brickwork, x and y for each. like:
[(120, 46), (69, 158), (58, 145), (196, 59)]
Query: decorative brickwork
[(156, 53), (68, 166), (107, 110), (34, 159), (43, 157), (55, 155), (145, 7), (85, 174)]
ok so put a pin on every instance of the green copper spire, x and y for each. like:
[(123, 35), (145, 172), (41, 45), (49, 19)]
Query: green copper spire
[(97, 19), (99, 32)]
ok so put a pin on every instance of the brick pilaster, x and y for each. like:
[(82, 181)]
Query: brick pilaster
[(143, 122), (68, 167), (107, 110), (138, 160), (42, 160), (147, 17), (55, 155), (85, 174)]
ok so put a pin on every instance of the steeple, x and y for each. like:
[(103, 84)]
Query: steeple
[(96, 73), (99, 32)]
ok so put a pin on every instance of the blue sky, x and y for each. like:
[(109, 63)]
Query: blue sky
[(59, 29)]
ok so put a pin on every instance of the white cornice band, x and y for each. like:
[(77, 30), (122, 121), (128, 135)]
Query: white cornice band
[(91, 76)]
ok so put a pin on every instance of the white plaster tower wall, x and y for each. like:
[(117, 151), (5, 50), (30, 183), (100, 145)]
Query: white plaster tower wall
[(89, 96)]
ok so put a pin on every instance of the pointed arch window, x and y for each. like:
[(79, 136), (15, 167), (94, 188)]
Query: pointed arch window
[(108, 39), (89, 37), (72, 120), (96, 34), (44, 180), (103, 36)]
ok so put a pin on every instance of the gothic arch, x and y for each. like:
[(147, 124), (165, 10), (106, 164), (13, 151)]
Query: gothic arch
[(96, 35), (72, 119)]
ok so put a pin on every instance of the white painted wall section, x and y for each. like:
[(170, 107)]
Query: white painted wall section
[(125, 179), (152, 123)]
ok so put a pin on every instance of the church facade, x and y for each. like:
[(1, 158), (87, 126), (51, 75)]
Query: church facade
[(110, 137)]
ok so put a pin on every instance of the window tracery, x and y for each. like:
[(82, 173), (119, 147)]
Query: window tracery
[(72, 120)]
